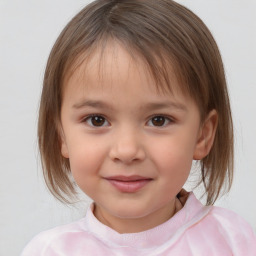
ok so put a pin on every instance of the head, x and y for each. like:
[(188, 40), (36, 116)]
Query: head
[(168, 39)]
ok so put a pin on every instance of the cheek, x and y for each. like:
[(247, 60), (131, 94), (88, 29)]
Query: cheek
[(85, 159), (174, 156), (84, 169)]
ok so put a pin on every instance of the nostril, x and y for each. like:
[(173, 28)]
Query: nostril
[(127, 154)]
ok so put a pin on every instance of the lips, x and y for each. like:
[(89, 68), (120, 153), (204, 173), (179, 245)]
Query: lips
[(128, 184)]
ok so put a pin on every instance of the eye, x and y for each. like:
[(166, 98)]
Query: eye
[(159, 121), (96, 121)]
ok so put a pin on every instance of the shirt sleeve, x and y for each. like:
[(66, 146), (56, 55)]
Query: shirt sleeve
[(37, 245), (236, 232)]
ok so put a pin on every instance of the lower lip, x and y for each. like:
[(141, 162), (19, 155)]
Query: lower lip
[(129, 186)]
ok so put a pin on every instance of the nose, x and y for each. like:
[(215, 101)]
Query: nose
[(127, 147)]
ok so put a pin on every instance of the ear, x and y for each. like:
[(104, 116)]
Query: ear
[(64, 147), (206, 136)]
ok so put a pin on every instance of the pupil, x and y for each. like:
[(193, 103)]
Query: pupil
[(98, 120), (158, 121)]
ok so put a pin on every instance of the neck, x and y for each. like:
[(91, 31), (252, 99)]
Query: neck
[(140, 224)]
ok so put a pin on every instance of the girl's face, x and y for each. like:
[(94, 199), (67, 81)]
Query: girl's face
[(130, 147)]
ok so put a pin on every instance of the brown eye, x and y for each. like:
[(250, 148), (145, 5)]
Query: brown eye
[(158, 121), (96, 121)]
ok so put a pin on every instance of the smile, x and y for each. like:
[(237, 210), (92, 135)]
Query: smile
[(128, 184)]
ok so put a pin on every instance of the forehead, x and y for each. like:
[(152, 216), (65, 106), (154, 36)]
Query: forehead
[(116, 64), (115, 80)]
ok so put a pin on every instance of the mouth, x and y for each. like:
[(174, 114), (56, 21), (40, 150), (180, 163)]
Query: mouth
[(128, 184)]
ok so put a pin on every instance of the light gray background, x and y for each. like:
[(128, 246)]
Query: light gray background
[(28, 30)]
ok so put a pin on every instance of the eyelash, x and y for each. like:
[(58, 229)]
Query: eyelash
[(88, 120), (167, 120)]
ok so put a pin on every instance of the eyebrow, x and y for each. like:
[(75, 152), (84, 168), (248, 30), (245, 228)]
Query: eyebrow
[(163, 105), (147, 106), (92, 103)]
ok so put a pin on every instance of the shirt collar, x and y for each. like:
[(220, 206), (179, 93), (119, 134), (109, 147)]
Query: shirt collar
[(191, 212)]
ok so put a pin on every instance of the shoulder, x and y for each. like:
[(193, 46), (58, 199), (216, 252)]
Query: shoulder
[(232, 228), (41, 243), (216, 229), (230, 220)]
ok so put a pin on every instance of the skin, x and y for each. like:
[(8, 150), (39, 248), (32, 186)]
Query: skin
[(127, 141)]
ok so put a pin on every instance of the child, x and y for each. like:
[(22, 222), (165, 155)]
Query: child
[(134, 91)]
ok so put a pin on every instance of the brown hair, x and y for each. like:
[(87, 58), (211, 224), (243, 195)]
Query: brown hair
[(156, 30)]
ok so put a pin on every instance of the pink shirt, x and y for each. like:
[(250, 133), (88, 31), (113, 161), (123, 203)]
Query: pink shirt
[(194, 230)]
